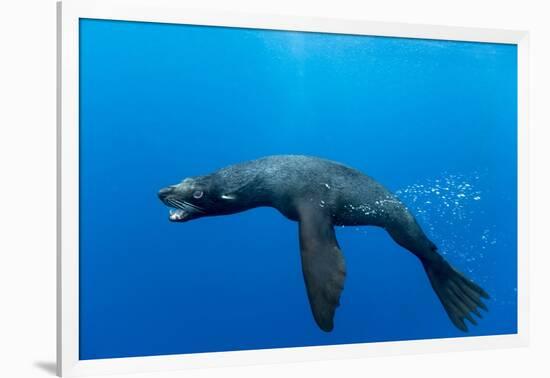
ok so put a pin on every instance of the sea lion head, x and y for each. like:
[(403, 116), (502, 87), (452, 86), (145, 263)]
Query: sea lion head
[(197, 197)]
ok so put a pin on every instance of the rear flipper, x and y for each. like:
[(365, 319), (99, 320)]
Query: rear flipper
[(459, 296)]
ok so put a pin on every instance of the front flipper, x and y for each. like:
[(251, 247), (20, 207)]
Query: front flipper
[(322, 264)]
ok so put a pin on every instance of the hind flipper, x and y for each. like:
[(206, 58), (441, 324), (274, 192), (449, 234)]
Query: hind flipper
[(322, 265), (459, 296)]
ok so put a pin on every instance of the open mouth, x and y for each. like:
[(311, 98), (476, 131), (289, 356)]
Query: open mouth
[(178, 215), (182, 210)]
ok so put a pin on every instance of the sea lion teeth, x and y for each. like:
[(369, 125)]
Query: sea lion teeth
[(176, 214)]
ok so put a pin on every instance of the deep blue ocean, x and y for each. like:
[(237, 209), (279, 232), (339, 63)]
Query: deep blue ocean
[(433, 121)]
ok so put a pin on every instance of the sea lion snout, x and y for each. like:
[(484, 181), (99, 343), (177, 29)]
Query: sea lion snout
[(164, 192), (182, 198)]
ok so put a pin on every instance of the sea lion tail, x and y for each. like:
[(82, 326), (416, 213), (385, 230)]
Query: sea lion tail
[(459, 295)]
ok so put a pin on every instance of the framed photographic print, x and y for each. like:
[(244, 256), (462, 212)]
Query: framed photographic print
[(240, 188)]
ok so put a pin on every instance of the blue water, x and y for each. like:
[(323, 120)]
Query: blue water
[(434, 121)]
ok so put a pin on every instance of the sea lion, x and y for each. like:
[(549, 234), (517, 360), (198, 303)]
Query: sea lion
[(320, 194)]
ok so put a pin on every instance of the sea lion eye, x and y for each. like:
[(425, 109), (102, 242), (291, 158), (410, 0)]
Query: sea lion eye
[(198, 194)]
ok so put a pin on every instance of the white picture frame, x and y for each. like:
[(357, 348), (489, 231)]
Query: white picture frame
[(168, 11)]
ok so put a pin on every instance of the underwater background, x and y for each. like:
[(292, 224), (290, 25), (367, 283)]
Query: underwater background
[(433, 121)]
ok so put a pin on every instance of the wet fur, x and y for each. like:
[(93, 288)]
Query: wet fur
[(321, 194)]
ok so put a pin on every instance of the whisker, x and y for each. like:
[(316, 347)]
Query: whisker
[(194, 206), (179, 203), (184, 205), (174, 204)]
